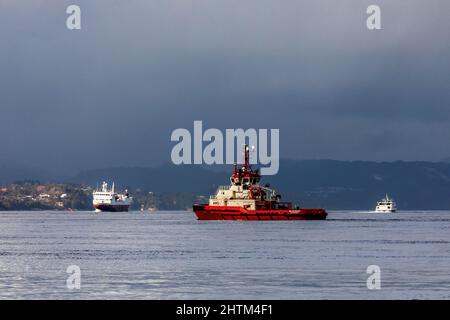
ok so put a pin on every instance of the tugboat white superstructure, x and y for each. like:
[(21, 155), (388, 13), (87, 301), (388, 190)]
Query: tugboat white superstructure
[(386, 205), (105, 199)]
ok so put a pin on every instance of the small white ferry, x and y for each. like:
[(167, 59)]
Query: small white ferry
[(386, 205)]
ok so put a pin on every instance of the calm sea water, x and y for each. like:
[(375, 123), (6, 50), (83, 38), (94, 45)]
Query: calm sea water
[(171, 255)]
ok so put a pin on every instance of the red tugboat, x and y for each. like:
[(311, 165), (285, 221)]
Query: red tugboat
[(245, 199)]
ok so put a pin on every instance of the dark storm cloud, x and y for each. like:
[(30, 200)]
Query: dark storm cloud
[(111, 93)]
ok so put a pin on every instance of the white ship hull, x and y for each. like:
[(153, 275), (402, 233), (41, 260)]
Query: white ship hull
[(111, 207), (384, 210)]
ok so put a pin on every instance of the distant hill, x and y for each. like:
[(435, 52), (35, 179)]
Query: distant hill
[(326, 183)]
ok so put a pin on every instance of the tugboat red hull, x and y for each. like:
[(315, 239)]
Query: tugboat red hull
[(206, 212)]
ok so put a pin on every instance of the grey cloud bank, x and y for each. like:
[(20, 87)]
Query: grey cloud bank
[(112, 92)]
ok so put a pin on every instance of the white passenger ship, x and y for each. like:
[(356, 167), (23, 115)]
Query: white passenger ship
[(105, 199), (386, 205)]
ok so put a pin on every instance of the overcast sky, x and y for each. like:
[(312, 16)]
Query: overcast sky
[(112, 92)]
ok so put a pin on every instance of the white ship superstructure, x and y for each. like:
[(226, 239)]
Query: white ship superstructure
[(386, 205), (105, 199)]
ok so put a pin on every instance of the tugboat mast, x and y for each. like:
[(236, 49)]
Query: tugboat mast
[(246, 157)]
